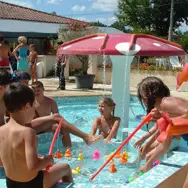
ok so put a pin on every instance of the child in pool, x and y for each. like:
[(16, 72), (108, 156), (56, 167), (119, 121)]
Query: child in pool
[(155, 95), (18, 145), (22, 59), (107, 124)]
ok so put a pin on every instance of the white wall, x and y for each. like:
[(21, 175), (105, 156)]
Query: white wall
[(28, 26), (48, 63)]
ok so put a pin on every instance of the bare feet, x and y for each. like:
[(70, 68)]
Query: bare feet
[(92, 139)]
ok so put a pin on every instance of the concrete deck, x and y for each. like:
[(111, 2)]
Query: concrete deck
[(51, 85)]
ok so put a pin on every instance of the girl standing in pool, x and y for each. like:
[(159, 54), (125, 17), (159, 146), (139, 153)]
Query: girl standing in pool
[(22, 59), (107, 124)]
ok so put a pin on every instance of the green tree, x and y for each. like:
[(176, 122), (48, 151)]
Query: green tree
[(151, 15), (76, 30), (54, 13), (183, 40), (98, 24), (135, 13), (121, 26)]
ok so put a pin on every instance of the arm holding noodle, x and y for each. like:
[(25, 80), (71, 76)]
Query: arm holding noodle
[(34, 163), (139, 142), (156, 154)]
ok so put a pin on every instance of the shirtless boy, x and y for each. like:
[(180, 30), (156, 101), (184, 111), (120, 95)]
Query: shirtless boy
[(44, 107), (20, 144), (5, 79), (4, 54)]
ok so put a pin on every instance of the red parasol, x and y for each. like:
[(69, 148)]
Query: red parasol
[(121, 44)]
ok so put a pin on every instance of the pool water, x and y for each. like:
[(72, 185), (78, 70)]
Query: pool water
[(81, 111), (89, 166)]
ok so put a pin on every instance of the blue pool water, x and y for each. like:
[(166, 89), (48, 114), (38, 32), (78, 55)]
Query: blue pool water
[(81, 111)]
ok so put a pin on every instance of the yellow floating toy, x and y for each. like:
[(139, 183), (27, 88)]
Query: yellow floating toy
[(80, 157), (76, 171), (126, 154), (108, 156)]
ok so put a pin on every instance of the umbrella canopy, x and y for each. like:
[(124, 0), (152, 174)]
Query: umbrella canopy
[(121, 44)]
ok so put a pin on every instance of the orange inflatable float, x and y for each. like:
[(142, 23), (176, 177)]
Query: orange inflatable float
[(173, 127), (182, 76)]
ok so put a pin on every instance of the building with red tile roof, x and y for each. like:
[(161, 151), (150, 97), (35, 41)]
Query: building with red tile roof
[(39, 27), (10, 11)]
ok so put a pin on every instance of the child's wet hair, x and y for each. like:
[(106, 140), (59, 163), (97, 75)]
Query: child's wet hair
[(5, 77), (151, 88), (17, 96), (37, 84), (109, 102), (23, 75)]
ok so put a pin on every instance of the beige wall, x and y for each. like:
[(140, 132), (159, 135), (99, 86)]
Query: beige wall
[(100, 76), (48, 63), (168, 77)]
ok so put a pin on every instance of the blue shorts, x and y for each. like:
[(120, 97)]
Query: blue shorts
[(185, 137)]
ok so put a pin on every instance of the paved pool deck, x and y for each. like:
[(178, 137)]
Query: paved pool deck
[(51, 85)]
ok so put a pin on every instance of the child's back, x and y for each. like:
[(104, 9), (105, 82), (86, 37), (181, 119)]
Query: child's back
[(12, 151), (18, 145)]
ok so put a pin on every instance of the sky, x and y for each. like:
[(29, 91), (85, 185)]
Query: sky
[(86, 10)]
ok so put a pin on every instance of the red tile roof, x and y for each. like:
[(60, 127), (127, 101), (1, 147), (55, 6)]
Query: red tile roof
[(16, 12)]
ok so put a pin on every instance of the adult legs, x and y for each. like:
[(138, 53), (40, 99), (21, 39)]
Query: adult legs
[(62, 77)]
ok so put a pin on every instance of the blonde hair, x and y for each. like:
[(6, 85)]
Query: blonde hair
[(109, 102), (22, 39)]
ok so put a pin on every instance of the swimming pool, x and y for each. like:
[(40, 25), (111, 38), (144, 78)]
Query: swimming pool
[(81, 112)]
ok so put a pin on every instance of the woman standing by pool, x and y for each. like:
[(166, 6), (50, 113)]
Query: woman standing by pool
[(22, 59)]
